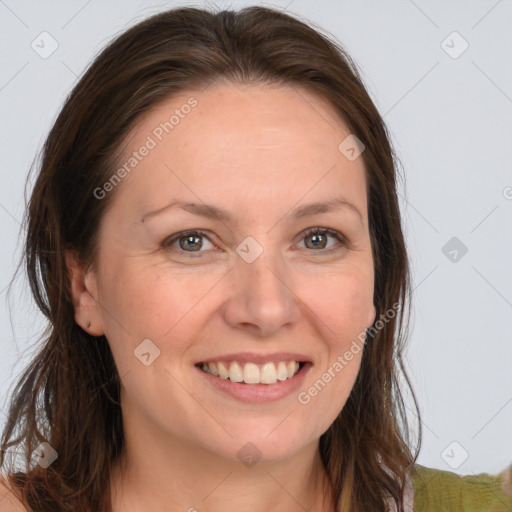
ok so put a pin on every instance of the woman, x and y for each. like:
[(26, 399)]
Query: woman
[(214, 235)]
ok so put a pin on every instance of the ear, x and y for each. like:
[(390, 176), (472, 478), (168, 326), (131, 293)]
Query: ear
[(372, 314), (84, 295)]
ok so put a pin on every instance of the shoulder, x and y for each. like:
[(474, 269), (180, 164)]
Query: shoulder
[(8, 501), (436, 489)]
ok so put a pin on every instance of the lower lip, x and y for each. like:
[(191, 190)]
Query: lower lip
[(258, 393)]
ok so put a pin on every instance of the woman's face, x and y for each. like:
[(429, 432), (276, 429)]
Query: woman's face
[(251, 288)]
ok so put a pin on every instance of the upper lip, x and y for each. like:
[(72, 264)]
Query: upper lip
[(254, 357)]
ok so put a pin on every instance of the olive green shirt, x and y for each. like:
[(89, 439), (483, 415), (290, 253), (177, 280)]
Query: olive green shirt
[(443, 491)]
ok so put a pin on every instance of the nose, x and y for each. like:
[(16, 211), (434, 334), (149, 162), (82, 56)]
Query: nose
[(261, 297)]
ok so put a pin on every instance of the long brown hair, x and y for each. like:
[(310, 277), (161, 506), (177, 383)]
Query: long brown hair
[(69, 394)]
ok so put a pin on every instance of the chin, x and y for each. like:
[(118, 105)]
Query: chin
[(251, 446)]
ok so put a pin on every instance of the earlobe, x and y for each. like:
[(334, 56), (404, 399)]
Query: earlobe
[(87, 313), (372, 315)]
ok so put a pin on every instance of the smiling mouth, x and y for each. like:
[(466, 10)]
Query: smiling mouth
[(251, 373)]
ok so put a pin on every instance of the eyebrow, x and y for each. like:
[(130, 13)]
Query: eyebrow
[(215, 213)]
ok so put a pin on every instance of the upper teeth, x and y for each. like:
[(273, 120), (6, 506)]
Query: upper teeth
[(250, 373)]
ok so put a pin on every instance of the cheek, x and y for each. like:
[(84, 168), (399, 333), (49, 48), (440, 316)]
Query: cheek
[(146, 302), (341, 308), (342, 302), (153, 299)]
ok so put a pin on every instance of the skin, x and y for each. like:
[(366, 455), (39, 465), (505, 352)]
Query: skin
[(258, 151)]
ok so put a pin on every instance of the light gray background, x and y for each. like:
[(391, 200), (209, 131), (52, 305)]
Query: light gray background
[(450, 120)]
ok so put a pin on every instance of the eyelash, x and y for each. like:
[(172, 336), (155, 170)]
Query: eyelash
[(167, 243)]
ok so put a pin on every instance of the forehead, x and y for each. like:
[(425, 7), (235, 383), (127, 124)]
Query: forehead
[(240, 144)]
